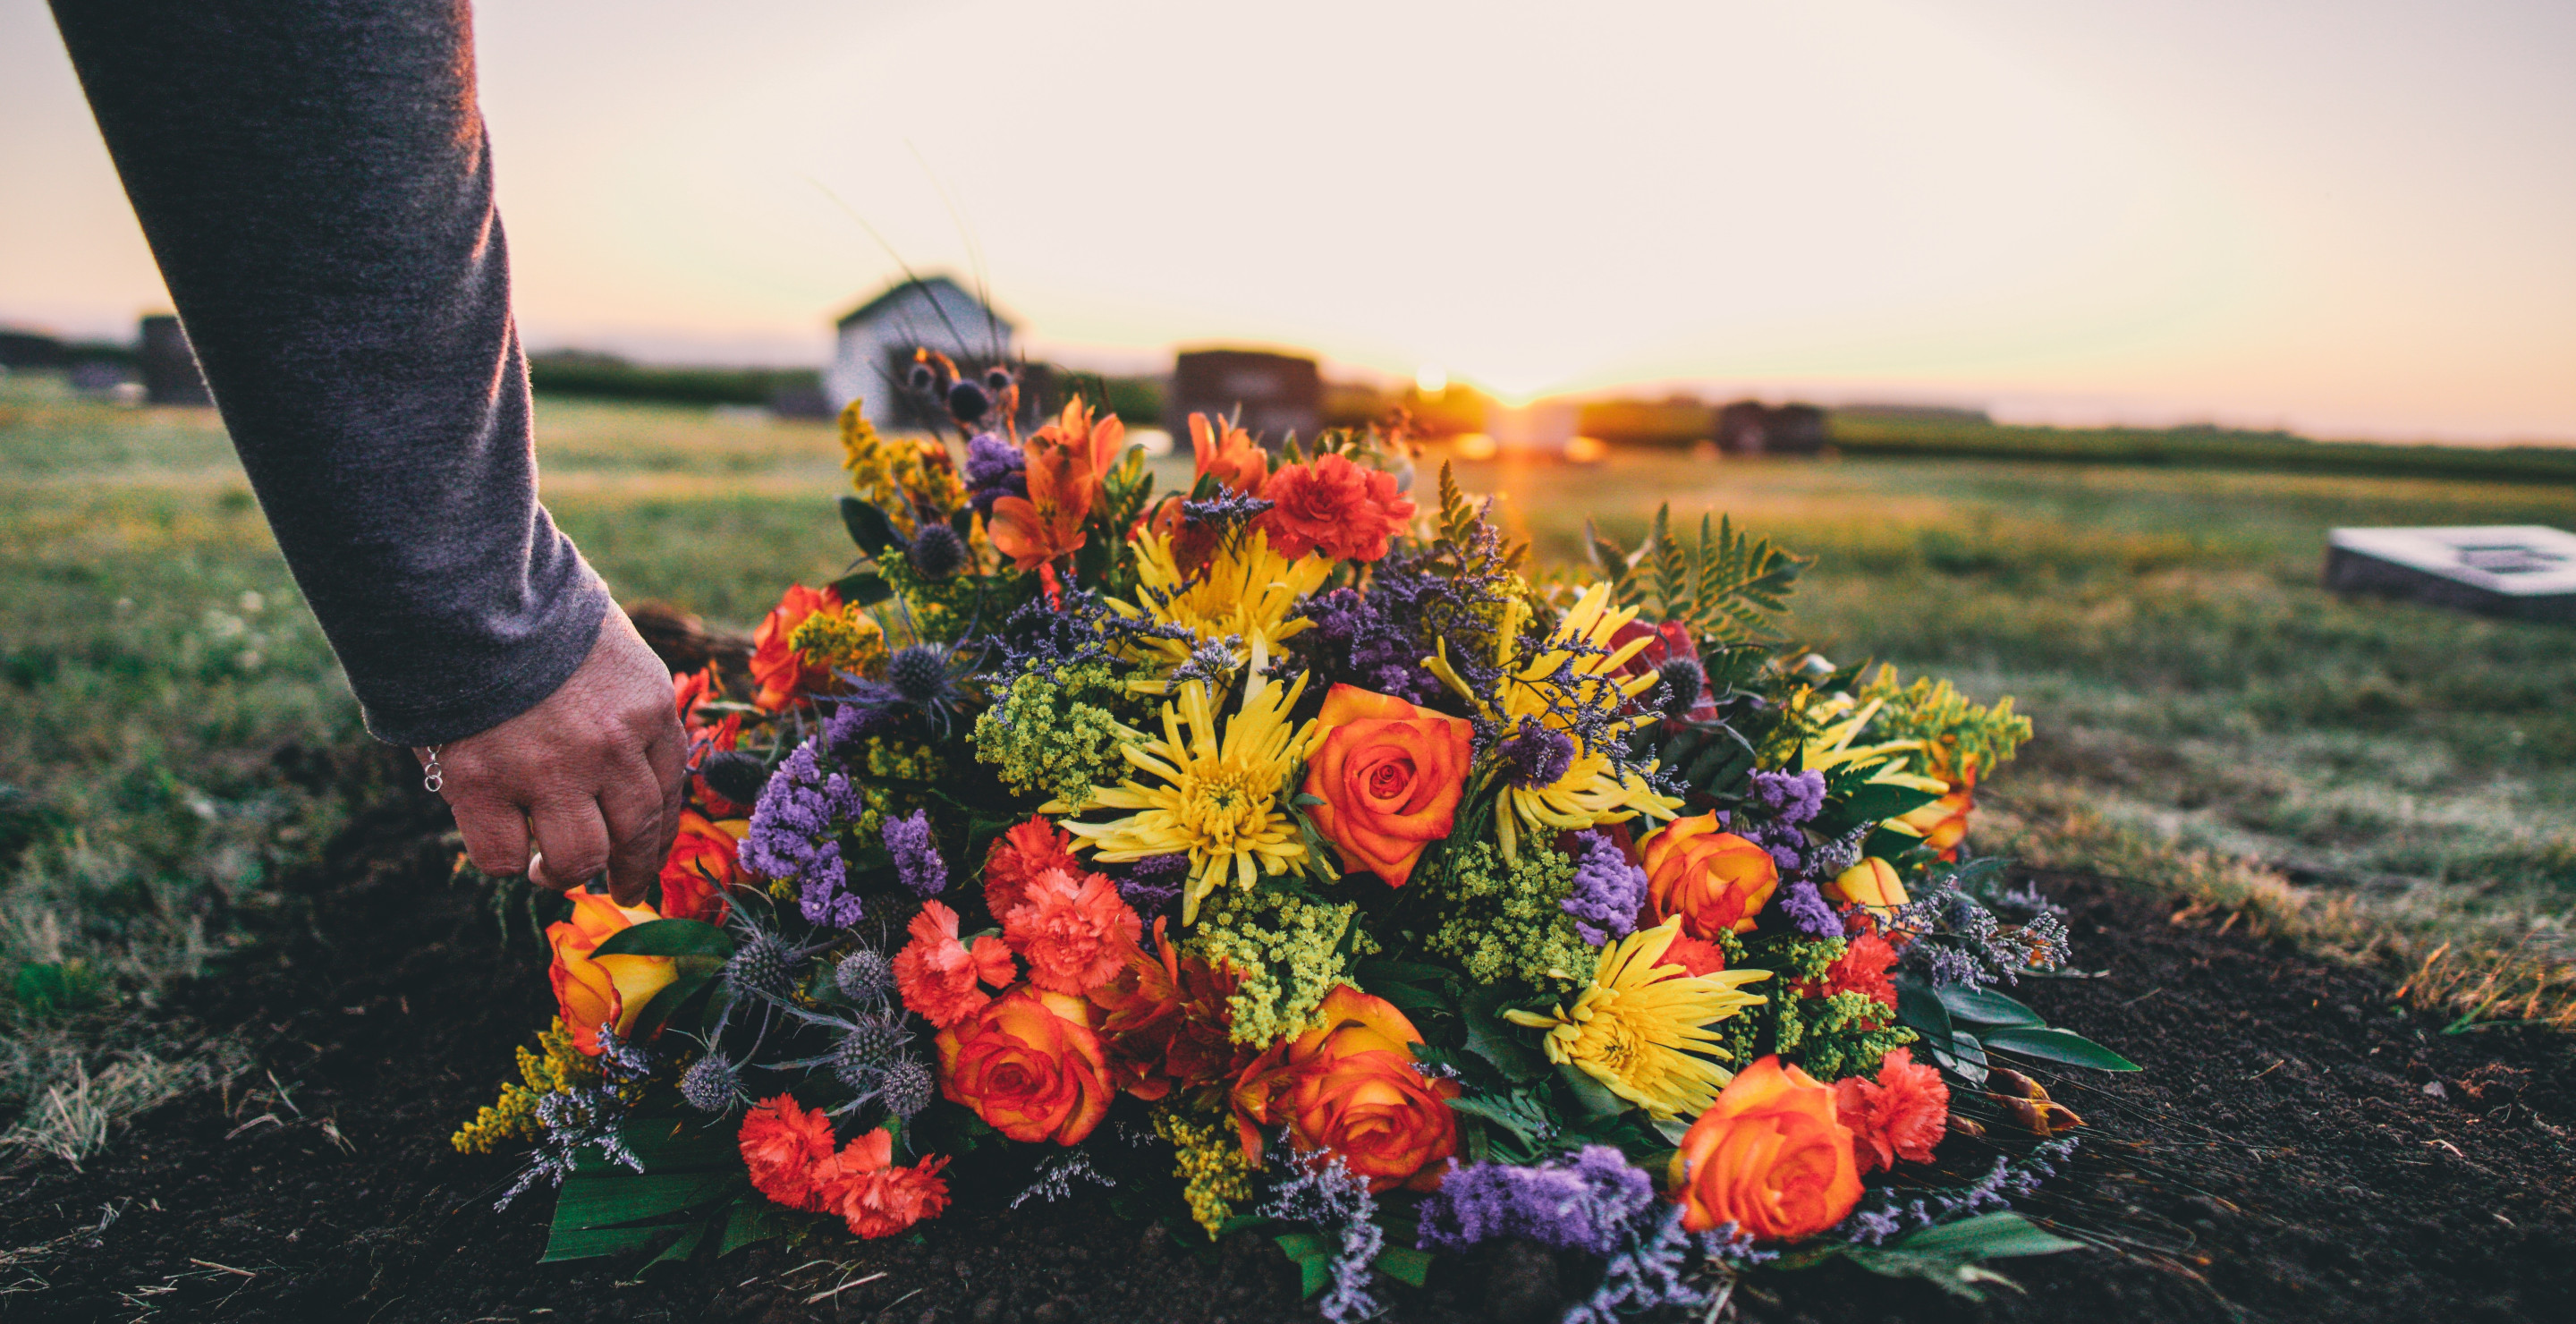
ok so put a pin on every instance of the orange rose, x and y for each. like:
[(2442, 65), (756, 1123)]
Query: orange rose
[(702, 867), (1389, 775), (1872, 883), (592, 991), (1943, 824), (1770, 1156), (1351, 1089), (1716, 881), (1029, 1065), (785, 675)]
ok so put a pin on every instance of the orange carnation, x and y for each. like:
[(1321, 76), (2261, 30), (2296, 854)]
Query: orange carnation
[(1073, 930), (937, 975), (1769, 1156), (1029, 1065), (592, 991), (1696, 955), (1165, 1023), (1021, 854), (1716, 881), (703, 865), (1333, 506), (1901, 1115), (1389, 775), (785, 676), (1234, 457), (1351, 1088), (871, 1194), (781, 1143)]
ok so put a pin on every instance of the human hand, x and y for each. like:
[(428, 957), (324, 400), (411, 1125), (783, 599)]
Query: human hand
[(593, 772)]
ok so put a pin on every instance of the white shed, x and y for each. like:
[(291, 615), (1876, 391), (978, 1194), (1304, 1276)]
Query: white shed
[(877, 339)]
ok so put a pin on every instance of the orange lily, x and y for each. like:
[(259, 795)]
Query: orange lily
[(1234, 458), (1065, 461)]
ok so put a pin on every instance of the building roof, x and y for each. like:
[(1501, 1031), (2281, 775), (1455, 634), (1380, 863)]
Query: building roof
[(922, 287)]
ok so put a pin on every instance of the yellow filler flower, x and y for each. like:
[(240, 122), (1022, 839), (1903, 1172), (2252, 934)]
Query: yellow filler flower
[(1641, 1026), (1220, 797), (1245, 591), (1547, 687)]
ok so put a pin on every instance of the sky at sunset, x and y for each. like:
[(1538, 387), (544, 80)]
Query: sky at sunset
[(2349, 217)]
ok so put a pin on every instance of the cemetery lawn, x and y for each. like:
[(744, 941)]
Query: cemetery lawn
[(2210, 721)]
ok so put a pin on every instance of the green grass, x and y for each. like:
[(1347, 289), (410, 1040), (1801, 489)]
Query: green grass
[(2194, 447), (2194, 689)]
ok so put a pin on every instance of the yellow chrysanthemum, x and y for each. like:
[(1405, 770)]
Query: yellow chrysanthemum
[(1831, 747), (1546, 687), (1220, 795), (896, 475), (1245, 591), (1641, 1027)]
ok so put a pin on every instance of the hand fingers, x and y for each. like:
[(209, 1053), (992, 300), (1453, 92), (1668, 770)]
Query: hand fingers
[(572, 841), (642, 818), (495, 832)]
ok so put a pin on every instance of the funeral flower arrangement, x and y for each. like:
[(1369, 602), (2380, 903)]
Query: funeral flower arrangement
[(1286, 854)]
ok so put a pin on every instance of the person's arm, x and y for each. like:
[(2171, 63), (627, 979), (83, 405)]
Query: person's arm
[(316, 184)]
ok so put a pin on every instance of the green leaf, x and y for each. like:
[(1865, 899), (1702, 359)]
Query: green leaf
[(586, 1243), (1871, 802), (667, 1004), (753, 1219), (1589, 1094), (635, 1197), (1923, 1011), (1496, 1040), (868, 526), (1522, 1112), (1985, 1007), (1405, 1265), (683, 1246), (866, 588), (1948, 1254), (1313, 1256), (1995, 1236), (2062, 1046), (669, 937)]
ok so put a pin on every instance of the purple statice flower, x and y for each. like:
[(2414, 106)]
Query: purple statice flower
[(1323, 1191), (916, 856), (1153, 883), (1583, 1202), (1647, 1274), (1608, 890), (850, 721), (795, 836), (1791, 797), (994, 469), (1538, 753), (1226, 509), (1358, 638), (1884, 1216), (1807, 908)]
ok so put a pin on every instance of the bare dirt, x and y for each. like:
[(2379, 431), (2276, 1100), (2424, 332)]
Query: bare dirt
[(2297, 1148)]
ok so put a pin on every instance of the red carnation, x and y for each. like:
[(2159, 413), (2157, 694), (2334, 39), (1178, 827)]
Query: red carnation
[(781, 1143), (871, 1194), (1901, 1115), (1335, 507), (1020, 855), (1862, 968), (937, 974), (1073, 930)]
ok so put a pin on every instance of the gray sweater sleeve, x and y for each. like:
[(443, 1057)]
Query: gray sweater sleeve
[(315, 182)]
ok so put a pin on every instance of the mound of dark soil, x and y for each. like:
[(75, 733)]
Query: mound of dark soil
[(2296, 1149)]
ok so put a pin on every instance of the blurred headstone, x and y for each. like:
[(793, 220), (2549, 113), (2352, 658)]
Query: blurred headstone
[(2525, 571), (1278, 393), (1749, 427), (170, 375)]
